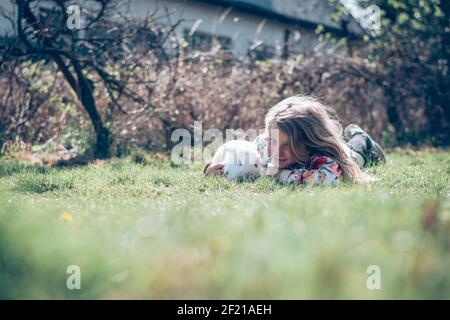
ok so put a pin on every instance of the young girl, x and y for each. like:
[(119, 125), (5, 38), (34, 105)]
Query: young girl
[(303, 144)]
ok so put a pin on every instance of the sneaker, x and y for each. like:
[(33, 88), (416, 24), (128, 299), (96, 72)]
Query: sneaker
[(375, 153)]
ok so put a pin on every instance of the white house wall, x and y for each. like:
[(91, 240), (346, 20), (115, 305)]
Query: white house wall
[(5, 25), (244, 29)]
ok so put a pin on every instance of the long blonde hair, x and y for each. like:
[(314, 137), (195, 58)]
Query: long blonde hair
[(309, 122)]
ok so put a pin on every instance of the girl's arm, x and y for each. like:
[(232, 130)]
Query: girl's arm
[(324, 171)]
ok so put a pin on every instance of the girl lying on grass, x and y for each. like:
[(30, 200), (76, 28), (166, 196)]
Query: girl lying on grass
[(303, 144)]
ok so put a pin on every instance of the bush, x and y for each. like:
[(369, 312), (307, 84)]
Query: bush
[(221, 91)]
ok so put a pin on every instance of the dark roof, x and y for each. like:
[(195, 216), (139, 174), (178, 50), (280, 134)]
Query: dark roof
[(266, 8)]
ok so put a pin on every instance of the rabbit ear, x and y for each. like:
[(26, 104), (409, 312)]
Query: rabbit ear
[(206, 166)]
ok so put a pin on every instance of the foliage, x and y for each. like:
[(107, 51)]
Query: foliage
[(412, 55)]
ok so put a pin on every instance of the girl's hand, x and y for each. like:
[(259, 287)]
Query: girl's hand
[(215, 168)]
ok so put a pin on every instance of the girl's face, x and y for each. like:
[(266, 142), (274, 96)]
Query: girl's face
[(279, 148)]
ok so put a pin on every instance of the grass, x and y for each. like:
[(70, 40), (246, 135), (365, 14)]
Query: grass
[(158, 231)]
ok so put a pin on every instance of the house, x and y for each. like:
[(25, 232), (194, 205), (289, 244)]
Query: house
[(262, 28)]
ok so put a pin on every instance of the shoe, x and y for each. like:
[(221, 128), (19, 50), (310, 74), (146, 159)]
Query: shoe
[(375, 154)]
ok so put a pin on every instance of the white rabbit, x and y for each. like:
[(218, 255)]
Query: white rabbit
[(240, 159)]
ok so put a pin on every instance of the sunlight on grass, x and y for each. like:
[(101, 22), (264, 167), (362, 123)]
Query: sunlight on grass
[(156, 231)]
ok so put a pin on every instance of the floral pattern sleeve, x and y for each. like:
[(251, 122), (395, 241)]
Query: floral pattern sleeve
[(323, 171)]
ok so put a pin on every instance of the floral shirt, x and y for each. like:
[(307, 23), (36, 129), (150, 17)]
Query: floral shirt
[(321, 170)]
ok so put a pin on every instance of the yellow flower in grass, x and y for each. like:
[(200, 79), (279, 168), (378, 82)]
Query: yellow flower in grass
[(66, 216)]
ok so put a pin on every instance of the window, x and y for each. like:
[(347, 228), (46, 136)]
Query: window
[(203, 41), (262, 52)]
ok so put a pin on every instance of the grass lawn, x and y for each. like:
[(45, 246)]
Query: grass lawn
[(159, 231)]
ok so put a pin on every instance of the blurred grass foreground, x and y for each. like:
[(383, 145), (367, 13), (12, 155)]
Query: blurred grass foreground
[(155, 231)]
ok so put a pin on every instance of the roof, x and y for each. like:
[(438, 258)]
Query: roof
[(307, 14)]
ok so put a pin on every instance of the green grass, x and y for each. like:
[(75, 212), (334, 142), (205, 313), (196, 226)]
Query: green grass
[(157, 231)]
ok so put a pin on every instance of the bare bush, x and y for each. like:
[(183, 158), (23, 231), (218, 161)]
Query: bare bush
[(218, 89)]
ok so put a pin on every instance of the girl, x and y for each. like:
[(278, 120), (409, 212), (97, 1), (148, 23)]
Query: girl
[(303, 144)]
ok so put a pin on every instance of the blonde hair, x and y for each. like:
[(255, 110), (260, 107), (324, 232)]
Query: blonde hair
[(307, 121)]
